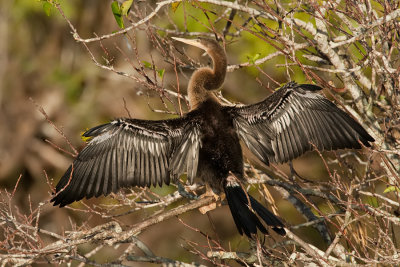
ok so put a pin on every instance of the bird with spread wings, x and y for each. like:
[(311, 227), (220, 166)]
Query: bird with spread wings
[(205, 143)]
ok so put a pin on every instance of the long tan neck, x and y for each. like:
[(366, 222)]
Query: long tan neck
[(205, 80)]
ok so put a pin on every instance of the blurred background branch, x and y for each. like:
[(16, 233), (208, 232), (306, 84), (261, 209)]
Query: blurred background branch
[(86, 62)]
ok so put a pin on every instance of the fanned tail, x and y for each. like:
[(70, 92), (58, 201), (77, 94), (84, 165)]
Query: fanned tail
[(245, 217)]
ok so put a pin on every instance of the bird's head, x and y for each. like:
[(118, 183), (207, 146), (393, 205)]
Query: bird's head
[(203, 43), (204, 80)]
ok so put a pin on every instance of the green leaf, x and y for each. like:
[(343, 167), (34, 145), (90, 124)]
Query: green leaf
[(391, 189), (373, 201), (47, 8), (253, 59), (147, 64), (125, 7), (175, 6), (116, 10), (161, 73)]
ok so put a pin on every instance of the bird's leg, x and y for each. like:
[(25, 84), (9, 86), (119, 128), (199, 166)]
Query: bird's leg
[(183, 192), (210, 193)]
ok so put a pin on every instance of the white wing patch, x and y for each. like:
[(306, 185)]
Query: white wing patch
[(102, 138), (286, 115)]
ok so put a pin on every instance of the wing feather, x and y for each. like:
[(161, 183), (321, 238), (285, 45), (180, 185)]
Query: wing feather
[(131, 152), (157, 172), (85, 180), (132, 158), (92, 181), (124, 169), (148, 169), (284, 125), (100, 176)]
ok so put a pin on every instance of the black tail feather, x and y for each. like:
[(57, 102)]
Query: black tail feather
[(245, 219)]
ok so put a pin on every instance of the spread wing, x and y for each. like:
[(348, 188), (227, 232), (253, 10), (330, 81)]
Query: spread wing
[(129, 152), (283, 126)]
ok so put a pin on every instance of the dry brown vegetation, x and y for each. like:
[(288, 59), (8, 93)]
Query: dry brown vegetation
[(79, 69)]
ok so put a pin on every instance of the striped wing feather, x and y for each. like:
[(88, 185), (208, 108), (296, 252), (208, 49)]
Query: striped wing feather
[(292, 120), (130, 152)]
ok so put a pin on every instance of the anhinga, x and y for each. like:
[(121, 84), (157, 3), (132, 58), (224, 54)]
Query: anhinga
[(204, 143)]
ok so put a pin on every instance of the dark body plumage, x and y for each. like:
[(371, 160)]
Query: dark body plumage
[(220, 152), (204, 143)]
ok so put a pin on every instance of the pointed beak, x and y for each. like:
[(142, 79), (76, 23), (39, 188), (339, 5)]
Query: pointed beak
[(193, 42)]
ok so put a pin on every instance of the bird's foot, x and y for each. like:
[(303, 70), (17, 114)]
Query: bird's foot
[(184, 193)]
